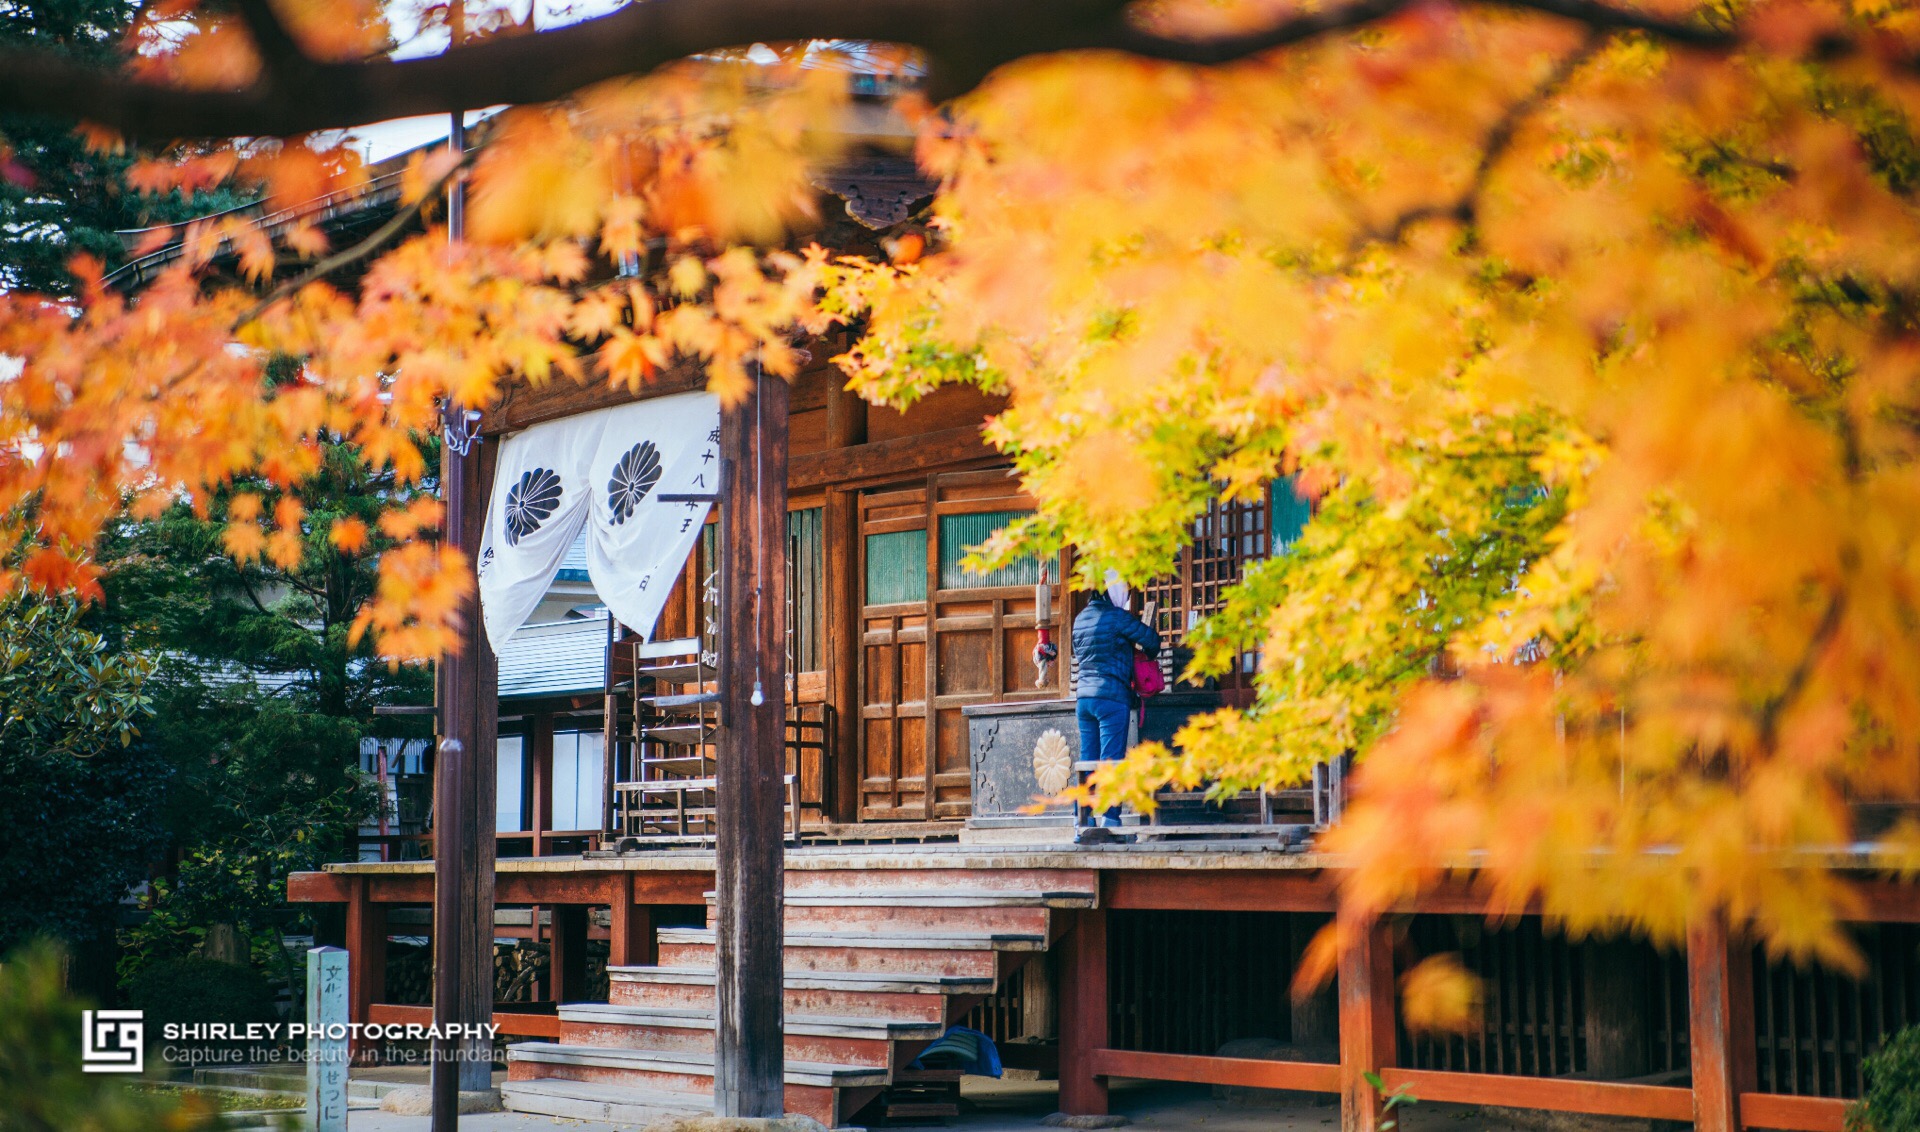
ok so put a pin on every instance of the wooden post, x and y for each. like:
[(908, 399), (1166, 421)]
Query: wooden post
[(630, 935), (1083, 1014), (1315, 1023), (842, 553), (466, 693), (367, 956), (749, 1062), (1366, 1019), (1618, 1045), (567, 954), (846, 412), (542, 780), (1720, 997)]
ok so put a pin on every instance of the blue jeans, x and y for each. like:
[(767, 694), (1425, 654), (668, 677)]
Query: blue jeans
[(1103, 736)]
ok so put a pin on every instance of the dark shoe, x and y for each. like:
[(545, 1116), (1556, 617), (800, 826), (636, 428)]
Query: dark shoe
[(1095, 835)]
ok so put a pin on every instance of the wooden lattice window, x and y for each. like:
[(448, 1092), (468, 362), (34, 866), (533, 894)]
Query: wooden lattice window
[(1226, 538)]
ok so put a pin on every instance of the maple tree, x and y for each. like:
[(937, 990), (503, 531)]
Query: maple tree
[(1591, 326)]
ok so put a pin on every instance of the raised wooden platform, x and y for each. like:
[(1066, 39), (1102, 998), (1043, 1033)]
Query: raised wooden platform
[(880, 935)]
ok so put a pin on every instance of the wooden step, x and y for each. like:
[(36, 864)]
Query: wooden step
[(944, 953), (930, 878), (580, 1100), (930, 911), (809, 1038), (812, 1088), (889, 995)]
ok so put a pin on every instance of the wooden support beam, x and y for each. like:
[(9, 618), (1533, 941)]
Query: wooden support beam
[(1316, 1017), (1618, 1030), (1301, 1076), (890, 459), (366, 956), (1596, 1098), (567, 954), (1083, 1014), (749, 851), (1792, 1114), (1720, 999), (319, 888), (841, 535), (846, 413), (464, 789), (631, 939), (1366, 1019), (1293, 890), (542, 781)]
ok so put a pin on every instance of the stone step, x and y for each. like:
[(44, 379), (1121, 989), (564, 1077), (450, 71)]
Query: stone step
[(879, 995), (845, 1041), (812, 1088), (931, 953), (579, 1100)]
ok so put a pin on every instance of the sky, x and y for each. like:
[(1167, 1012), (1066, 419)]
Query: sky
[(381, 140)]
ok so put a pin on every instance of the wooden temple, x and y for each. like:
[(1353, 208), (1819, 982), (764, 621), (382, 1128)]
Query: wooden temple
[(918, 891), (918, 896)]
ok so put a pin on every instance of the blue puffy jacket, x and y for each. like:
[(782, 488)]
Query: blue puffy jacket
[(1104, 637)]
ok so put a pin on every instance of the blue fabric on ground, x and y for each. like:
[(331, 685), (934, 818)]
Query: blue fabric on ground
[(969, 1051)]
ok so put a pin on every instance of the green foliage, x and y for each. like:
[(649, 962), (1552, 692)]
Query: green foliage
[(62, 690), (193, 988), (79, 774), (41, 1086), (58, 197), (260, 700), (1891, 1102)]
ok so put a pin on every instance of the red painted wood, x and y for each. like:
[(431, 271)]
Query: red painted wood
[(1597, 1098), (1304, 1076), (1367, 1002), (366, 955), (542, 781), (1720, 994), (631, 939), (1792, 1114), (1226, 890), (510, 1022), (1890, 901), (319, 888), (1083, 1014)]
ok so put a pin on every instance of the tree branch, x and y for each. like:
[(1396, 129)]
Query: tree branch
[(373, 243), (1499, 138), (280, 54), (965, 39)]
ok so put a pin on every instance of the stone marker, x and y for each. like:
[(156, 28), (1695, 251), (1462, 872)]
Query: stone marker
[(327, 1054)]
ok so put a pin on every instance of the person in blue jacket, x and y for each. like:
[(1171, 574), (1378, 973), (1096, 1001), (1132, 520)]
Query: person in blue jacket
[(1104, 637)]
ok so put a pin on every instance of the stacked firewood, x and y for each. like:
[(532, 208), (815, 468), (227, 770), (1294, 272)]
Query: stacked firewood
[(519, 970)]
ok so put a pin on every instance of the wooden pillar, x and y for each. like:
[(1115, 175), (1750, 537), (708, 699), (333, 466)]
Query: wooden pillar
[(567, 954), (630, 933), (542, 780), (1720, 997), (842, 555), (749, 853), (1367, 1041), (1316, 1018), (846, 412), (466, 693), (1619, 1043), (366, 955), (1083, 1014)]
